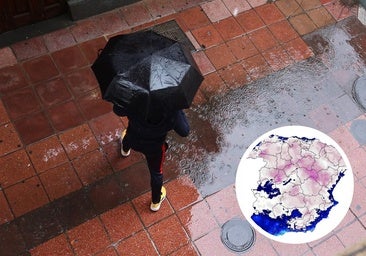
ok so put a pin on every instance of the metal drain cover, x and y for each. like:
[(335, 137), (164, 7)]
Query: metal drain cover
[(237, 235), (359, 91)]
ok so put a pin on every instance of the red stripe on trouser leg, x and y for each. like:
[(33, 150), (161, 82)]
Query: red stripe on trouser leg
[(163, 150)]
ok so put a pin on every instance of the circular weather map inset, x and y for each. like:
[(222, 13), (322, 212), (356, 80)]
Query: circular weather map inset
[(294, 184)]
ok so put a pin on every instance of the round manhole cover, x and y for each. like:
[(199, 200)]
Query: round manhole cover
[(237, 235), (359, 91)]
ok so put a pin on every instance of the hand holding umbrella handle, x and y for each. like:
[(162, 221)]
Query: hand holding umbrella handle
[(120, 111)]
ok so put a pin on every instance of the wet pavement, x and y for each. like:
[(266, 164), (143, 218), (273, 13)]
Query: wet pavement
[(308, 93), (66, 191)]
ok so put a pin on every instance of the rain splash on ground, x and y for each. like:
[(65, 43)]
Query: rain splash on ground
[(223, 128)]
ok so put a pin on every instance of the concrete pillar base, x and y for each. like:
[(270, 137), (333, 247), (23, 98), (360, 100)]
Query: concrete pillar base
[(80, 9)]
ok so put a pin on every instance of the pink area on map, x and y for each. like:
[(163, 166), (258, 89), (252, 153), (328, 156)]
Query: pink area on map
[(312, 174), (282, 163), (280, 177), (293, 201), (333, 155), (324, 178), (263, 153), (316, 146), (295, 190), (311, 187), (322, 164), (294, 151), (306, 162), (268, 173), (274, 148)]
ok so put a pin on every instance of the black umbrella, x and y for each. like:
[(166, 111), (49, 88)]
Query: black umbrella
[(138, 69)]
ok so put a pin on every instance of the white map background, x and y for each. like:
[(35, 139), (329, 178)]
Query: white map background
[(294, 184)]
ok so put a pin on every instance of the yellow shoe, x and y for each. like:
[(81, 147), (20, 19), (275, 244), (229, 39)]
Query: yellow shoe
[(156, 207), (124, 153)]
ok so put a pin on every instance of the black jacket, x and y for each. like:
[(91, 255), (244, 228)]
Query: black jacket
[(148, 136)]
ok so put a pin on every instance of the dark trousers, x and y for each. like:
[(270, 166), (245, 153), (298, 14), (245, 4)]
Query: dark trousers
[(155, 163)]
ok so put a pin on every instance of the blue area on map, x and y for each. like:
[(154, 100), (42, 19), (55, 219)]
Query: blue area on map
[(284, 139), (279, 226), (286, 182), (269, 189)]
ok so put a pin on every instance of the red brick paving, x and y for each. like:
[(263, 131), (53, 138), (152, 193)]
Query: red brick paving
[(59, 142)]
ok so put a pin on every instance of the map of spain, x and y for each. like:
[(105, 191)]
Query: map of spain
[(293, 186), (295, 189)]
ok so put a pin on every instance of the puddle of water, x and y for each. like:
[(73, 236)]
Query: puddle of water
[(227, 125)]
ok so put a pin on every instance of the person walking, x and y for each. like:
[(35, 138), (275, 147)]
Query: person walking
[(148, 136)]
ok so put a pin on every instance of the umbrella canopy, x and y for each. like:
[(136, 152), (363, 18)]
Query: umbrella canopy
[(138, 69)]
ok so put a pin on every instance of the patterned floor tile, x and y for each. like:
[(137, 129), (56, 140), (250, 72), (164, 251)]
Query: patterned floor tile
[(26, 196), (256, 67), (22, 102), (92, 48), (207, 36), (12, 78), (194, 18), (242, 48), (7, 57), (216, 10), (138, 244), (81, 81), (30, 48), (78, 141), (58, 246), (91, 167), (289, 7), (9, 138), (302, 24), (142, 206), (121, 222), (16, 167), (53, 91), (40, 68), (220, 56), (237, 6), (269, 13), (277, 58), (88, 238), (181, 193), (234, 76), (283, 31), (250, 21), (228, 28), (33, 127), (60, 181), (309, 5), (85, 30), (47, 154), (197, 220), (5, 215), (135, 14), (59, 39), (69, 58), (321, 17), (263, 39), (168, 235)]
